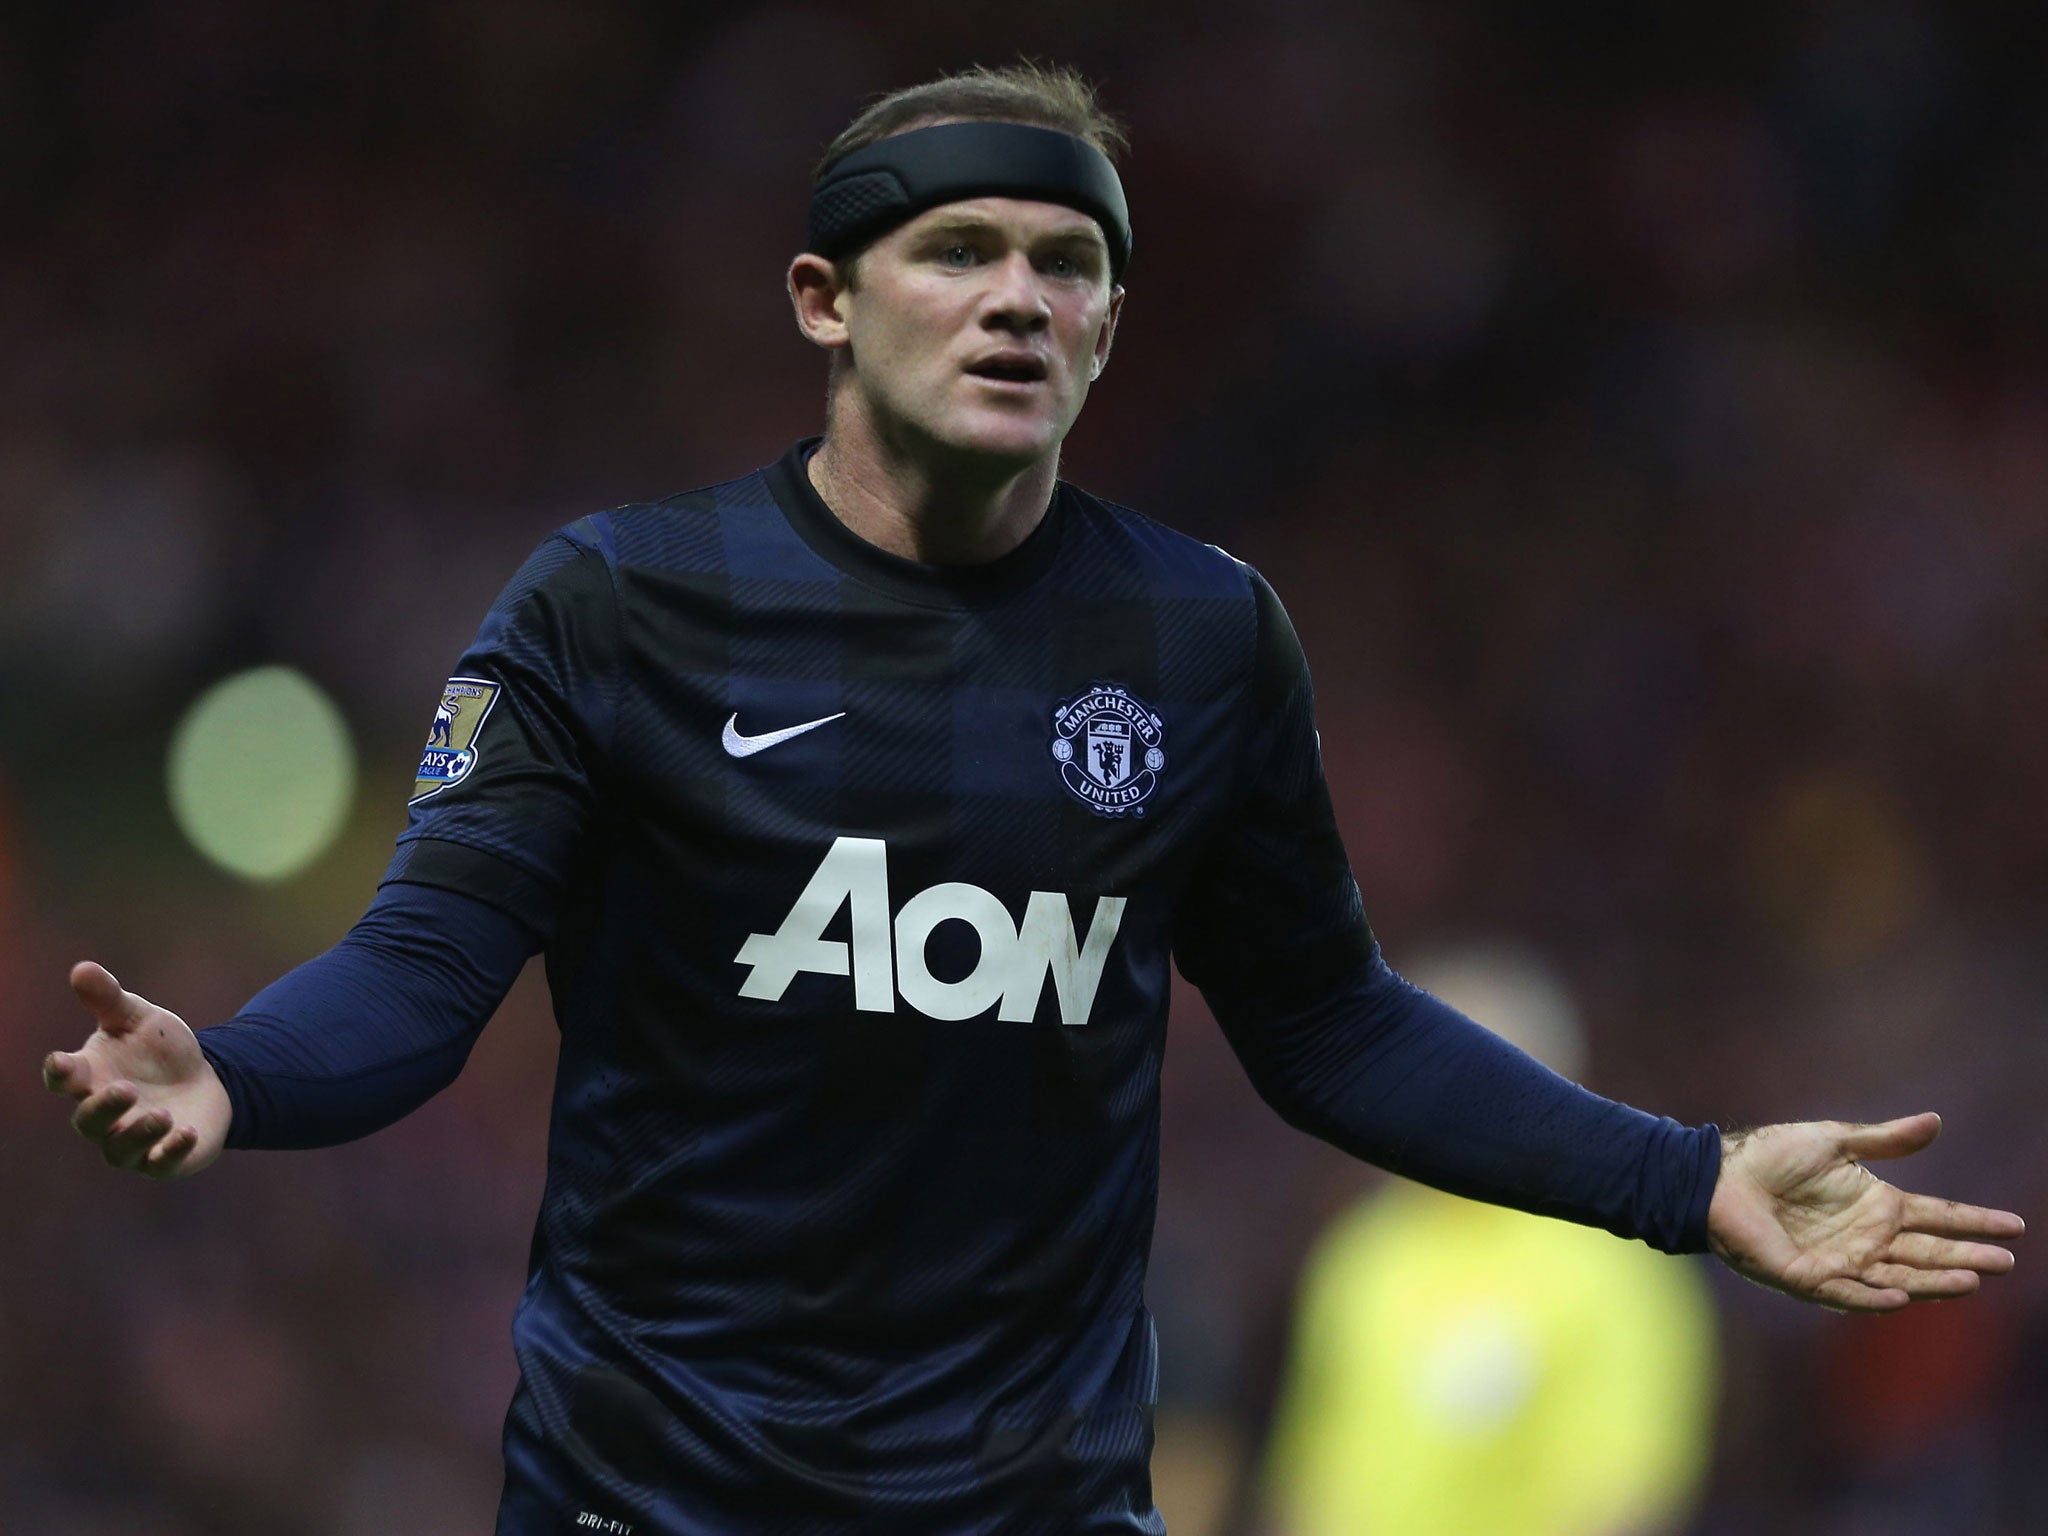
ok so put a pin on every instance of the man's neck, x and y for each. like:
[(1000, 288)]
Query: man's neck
[(956, 511)]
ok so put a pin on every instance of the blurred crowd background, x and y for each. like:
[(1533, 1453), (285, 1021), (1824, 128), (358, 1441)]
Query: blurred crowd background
[(1642, 408)]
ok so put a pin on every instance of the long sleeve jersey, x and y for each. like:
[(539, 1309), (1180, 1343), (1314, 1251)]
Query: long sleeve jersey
[(859, 882)]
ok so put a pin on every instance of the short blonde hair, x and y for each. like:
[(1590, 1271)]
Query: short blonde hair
[(1041, 95)]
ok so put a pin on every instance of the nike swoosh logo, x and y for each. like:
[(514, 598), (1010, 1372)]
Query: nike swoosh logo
[(737, 745)]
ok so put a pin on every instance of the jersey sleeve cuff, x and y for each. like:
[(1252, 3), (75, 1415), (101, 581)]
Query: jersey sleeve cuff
[(1693, 1235), (241, 1111), (474, 872)]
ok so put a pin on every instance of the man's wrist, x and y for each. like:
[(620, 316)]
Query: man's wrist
[(1732, 1140)]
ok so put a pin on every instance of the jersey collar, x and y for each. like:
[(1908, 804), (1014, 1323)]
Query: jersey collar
[(914, 581)]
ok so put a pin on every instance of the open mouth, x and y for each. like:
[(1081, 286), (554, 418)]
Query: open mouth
[(1009, 370)]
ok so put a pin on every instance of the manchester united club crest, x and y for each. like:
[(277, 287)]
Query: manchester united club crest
[(451, 744), (1107, 745)]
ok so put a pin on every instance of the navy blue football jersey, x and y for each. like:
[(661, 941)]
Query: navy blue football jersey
[(859, 880)]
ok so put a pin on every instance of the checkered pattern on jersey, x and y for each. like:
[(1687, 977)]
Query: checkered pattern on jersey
[(800, 1260)]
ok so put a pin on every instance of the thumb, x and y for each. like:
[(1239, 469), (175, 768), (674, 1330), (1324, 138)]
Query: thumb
[(1891, 1138), (117, 1011)]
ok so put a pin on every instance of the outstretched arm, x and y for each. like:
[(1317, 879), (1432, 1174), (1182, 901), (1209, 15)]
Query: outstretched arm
[(1795, 1209), (375, 1027), (345, 1044), (1399, 1078), (365, 1034), (1273, 930)]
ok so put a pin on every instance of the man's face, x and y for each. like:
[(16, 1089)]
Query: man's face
[(978, 326)]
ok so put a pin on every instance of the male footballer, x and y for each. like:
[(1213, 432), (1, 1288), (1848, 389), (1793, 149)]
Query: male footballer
[(859, 806)]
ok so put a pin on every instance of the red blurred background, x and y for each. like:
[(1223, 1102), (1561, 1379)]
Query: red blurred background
[(1642, 409)]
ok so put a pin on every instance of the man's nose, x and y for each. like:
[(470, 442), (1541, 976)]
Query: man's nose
[(1016, 298)]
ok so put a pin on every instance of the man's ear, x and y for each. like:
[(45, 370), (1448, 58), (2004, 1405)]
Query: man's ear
[(1107, 335), (819, 299)]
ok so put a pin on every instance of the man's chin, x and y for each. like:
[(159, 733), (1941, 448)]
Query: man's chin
[(1001, 439)]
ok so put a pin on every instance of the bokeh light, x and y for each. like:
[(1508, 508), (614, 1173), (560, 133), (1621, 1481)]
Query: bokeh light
[(262, 771)]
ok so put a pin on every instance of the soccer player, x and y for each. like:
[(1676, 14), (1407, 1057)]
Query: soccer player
[(859, 805)]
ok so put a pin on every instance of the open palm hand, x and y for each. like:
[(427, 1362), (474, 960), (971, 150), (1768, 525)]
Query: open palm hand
[(1796, 1210), (146, 1094)]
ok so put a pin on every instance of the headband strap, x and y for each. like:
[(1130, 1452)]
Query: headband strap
[(893, 180)]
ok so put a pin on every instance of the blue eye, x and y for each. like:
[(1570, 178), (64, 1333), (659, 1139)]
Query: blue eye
[(956, 256)]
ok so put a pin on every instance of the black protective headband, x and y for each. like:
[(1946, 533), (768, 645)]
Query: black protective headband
[(893, 180)]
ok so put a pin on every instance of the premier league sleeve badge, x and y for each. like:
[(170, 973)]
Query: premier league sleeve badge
[(1107, 746), (451, 747)]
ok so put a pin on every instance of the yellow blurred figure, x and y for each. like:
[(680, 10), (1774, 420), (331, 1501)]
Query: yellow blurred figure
[(1469, 1370)]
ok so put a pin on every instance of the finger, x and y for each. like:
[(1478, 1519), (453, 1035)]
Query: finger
[(168, 1155), (96, 1115), (131, 1137), (1922, 1284), (67, 1074), (1891, 1138), (1951, 1218), (118, 1011), (1925, 1252), (1846, 1295)]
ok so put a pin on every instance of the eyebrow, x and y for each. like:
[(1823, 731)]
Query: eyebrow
[(961, 224)]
